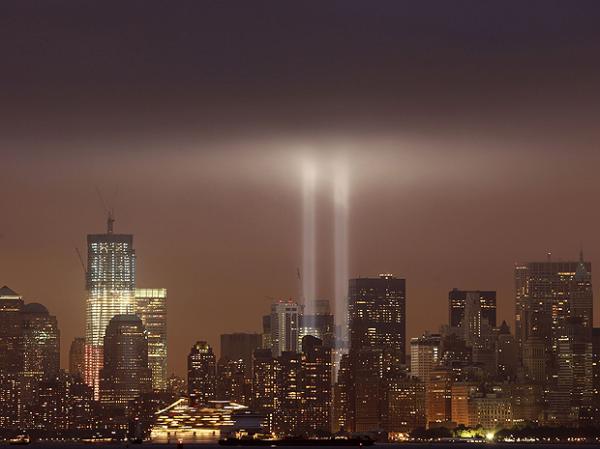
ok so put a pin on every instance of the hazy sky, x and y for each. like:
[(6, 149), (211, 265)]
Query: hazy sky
[(470, 130)]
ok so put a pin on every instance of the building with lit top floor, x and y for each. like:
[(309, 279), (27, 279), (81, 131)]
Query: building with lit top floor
[(151, 307)]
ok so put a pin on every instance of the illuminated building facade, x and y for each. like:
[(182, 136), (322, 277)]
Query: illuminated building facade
[(126, 374), (77, 357), (265, 375), (425, 352), (232, 383), (315, 364), (285, 326), (405, 405), (320, 324), (151, 307), (182, 422), (110, 285), (41, 342), (438, 398), (288, 414), (202, 374), (377, 319), (546, 295)]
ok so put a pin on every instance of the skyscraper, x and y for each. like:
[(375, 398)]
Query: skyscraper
[(77, 357), (377, 313), (315, 363), (457, 301), (546, 295), (11, 359), (202, 374), (110, 285), (264, 384), (151, 307), (425, 355), (41, 342), (125, 374), (285, 322)]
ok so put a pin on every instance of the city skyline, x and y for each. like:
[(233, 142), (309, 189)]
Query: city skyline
[(384, 211)]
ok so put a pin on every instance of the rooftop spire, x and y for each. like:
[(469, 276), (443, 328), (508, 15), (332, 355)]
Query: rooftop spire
[(110, 222)]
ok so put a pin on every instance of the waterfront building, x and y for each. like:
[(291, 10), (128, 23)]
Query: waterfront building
[(110, 285), (151, 307), (202, 374), (438, 397)]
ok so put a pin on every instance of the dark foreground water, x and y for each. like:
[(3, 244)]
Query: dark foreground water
[(56, 445)]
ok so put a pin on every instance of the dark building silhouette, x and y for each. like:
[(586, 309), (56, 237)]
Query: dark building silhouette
[(11, 353), (288, 413), (457, 301), (126, 373), (202, 374), (77, 357), (240, 346)]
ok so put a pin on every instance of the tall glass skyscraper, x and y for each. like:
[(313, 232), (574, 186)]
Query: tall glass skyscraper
[(151, 307), (110, 284)]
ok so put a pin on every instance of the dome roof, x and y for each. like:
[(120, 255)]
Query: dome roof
[(35, 307)]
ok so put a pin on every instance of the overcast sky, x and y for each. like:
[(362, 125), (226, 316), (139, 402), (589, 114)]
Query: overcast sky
[(470, 130)]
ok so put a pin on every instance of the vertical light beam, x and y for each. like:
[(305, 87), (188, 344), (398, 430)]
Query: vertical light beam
[(309, 244), (341, 256)]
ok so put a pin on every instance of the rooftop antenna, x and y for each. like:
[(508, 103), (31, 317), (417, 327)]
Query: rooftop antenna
[(110, 212)]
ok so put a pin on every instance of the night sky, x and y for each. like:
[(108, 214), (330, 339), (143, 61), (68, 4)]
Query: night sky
[(470, 130)]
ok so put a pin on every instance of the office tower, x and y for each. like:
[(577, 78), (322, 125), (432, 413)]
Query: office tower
[(405, 405), (202, 374), (527, 402), (377, 319), (232, 384), (285, 321), (377, 313), (151, 307), (41, 341), (507, 355), (264, 384), (77, 357), (11, 354), (240, 346), (571, 395), (288, 414), (315, 364), (425, 355), (456, 305), (126, 373), (110, 285), (546, 294), (438, 397), (596, 369)]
